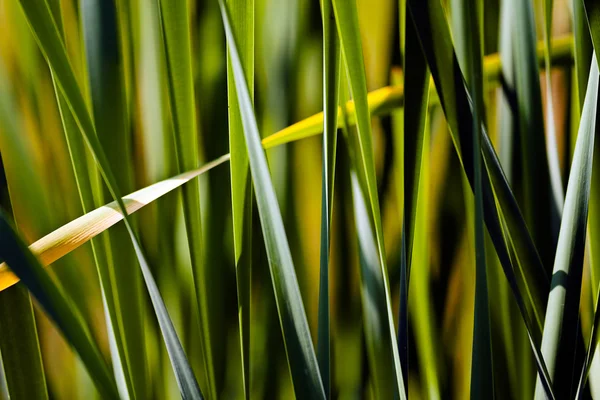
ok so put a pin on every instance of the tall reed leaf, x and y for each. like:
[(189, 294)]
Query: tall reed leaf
[(242, 22), (568, 264), (331, 78), (48, 37), (298, 343), (348, 29), (58, 307)]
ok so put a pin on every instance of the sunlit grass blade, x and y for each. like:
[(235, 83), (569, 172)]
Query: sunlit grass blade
[(482, 379), (560, 326), (77, 232), (348, 30), (436, 42), (59, 307), (298, 343), (49, 40), (331, 78), (242, 22)]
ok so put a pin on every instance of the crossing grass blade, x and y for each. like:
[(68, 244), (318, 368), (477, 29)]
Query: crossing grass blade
[(350, 41), (331, 78), (59, 307), (436, 42), (294, 325), (242, 21), (560, 326), (49, 40)]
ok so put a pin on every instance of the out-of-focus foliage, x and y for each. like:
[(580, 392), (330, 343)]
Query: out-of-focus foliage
[(438, 241)]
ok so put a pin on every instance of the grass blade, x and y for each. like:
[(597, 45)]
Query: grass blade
[(56, 305), (242, 19), (122, 286), (416, 92), (48, 37), (541, 207), (298, 342), (331, 72), (482, 378), (568, 266), (348, 30)]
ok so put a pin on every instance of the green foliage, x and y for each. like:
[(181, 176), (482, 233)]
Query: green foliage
[(406, 252)]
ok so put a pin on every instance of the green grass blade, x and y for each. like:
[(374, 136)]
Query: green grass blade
[(560, 326), (482, 378), (540, 206), (242, 19), (122, 286), (590, 352), (48, 37), (57, 306), (416, 95), (69, 237), (331, 78), (298, 343), (21, 357), (348, 30), (377, 339), (176, 36)]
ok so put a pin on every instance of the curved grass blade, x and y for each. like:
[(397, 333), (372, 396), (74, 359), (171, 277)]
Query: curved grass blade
[(563, 301), (176, 36), (436, 42), (331, 73), (294, 325), (57, 306), (590, 352), (348, 30), (52, 47), (242, 19)]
